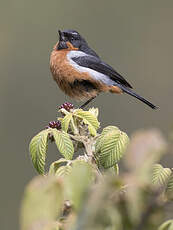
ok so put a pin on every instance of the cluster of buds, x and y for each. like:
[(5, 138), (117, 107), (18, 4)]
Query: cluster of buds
[(57, 124), (54, 125), (67, 106)]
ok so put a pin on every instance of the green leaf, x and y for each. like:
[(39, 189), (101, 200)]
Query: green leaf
[(65, 122), (89, 119), (160, 175), (105, 133), (63, 171), (42, 203), (77, 182), (169, 188), (94, 111), (38, 148), (111, 146), (168, 225), (56, 165), (63, 143), (116, 168), (170, 183)]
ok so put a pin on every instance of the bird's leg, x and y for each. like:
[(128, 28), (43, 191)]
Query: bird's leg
[(87, 102)]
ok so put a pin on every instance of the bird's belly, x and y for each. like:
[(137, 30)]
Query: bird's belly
[(74, 83)]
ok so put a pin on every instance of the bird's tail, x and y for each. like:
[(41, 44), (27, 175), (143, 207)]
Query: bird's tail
[(130, 92)]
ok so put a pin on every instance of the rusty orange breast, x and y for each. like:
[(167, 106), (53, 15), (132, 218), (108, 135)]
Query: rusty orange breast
[(66, 76)]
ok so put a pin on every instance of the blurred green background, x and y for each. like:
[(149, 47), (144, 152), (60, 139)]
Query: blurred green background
[(133, 36)]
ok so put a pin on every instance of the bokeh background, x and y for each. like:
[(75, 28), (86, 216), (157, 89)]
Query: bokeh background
[(135, 37)]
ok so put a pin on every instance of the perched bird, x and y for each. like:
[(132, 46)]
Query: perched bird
[(81, 73)]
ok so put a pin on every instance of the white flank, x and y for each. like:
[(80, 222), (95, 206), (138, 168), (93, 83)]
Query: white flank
[(94, 74)]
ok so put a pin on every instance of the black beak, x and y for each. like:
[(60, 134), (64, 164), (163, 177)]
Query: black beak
[(61, 36), (62, 41)]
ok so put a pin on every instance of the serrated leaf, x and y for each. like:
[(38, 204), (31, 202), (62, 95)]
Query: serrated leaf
[(170, 183), (168, 225), (63, 143), (38, 148), (56, 165), (91, 128), (94, 111), (169, 188), (42, 203), (63, 171), (89, 119), (113, 148), (160, 175), (66, 121), (105, 133), (109, 129)]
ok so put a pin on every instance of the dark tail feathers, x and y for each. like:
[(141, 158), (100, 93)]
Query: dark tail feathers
[(130, 92)]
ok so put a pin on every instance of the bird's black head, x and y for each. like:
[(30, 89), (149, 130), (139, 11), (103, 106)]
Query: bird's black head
[(70, 37), (73, 40)]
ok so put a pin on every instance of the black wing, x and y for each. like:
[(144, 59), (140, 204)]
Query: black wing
[(96, 64)]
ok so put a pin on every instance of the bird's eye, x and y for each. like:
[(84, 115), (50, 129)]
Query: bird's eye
[(72, 39)]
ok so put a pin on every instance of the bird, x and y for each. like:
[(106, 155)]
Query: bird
[(80, 72)]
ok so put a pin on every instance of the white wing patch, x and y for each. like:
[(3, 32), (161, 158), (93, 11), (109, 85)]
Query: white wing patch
[(96, 75)]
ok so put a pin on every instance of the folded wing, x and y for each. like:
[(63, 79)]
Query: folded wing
[(96, 64)]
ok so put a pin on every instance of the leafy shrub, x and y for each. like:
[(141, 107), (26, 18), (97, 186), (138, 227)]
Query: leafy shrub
[(88, 191)]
